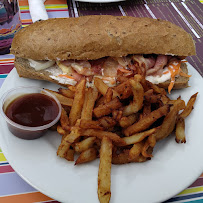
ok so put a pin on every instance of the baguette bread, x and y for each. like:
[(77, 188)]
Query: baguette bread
[(96, 37), (93, 37)]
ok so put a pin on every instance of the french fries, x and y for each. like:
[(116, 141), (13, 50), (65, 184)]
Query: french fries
[(106, 109), (65, 101), (119, 125), (90, 98), (104, 174), (180, 130), (138, 95), (189, 106), (146, 121), (76, 109), (87, 156)]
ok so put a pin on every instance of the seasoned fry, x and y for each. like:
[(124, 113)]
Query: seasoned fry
[(180, 130), (136, 150), (138, 137), (85, 144), (64, 120), (169, 121), (138, 96), (66, 92), (87, 156), (102, 87), (106, 109), (146, 121), (89, 102), (75, 112), (70, 155), (155, 88), (104, 174), (63, 148), (146, 109), (85, 124), (73, 136), (117, 114), (60, 130), (107, 122), (62, 99), (124, 89), (123, 158), (108, 96), (186, 112), (148, 146), (100, 134), (129, 120)]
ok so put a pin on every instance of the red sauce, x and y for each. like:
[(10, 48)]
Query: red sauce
[(32, 110)]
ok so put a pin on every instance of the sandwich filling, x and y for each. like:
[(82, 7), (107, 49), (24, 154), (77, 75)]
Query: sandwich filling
[(113, 70)]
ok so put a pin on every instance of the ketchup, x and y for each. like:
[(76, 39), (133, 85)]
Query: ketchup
[(32, 110)]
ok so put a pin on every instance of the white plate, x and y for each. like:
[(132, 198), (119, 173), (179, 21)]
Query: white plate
[(172, 169), (100, 1)]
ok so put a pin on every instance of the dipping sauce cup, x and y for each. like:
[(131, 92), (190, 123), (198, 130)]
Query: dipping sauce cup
[(29, 111)]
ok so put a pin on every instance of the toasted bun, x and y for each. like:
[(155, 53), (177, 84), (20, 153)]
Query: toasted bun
[(93, 37), (26, 71)]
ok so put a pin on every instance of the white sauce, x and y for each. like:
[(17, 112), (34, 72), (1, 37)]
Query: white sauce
[(40, 65), (159, 79)]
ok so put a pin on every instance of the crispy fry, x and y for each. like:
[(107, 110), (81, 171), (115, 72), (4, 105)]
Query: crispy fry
[(164, 99), (73, 136), (87, 156), (186, 112), (107, 108), (60, 130), (129, 120), (138, 96), (63, 148), (100, 134), (64, 120), (146, 109), (75, 112), (152, 98), (107, 122), (108, 96), (104, 174), (136, 150), (124, 89), (85, 144), (138, 137), (85, 124), (180, 130), (123, 158), (70, 155), (117, 114), (66, 92), (146, 121), (155, 88), (169, 121), (102, 87), (62, 99), (89, 102), (148, 146)]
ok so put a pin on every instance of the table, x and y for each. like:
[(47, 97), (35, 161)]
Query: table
[(185, 13)]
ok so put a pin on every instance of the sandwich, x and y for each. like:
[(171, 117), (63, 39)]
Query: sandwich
[(113, 48)]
